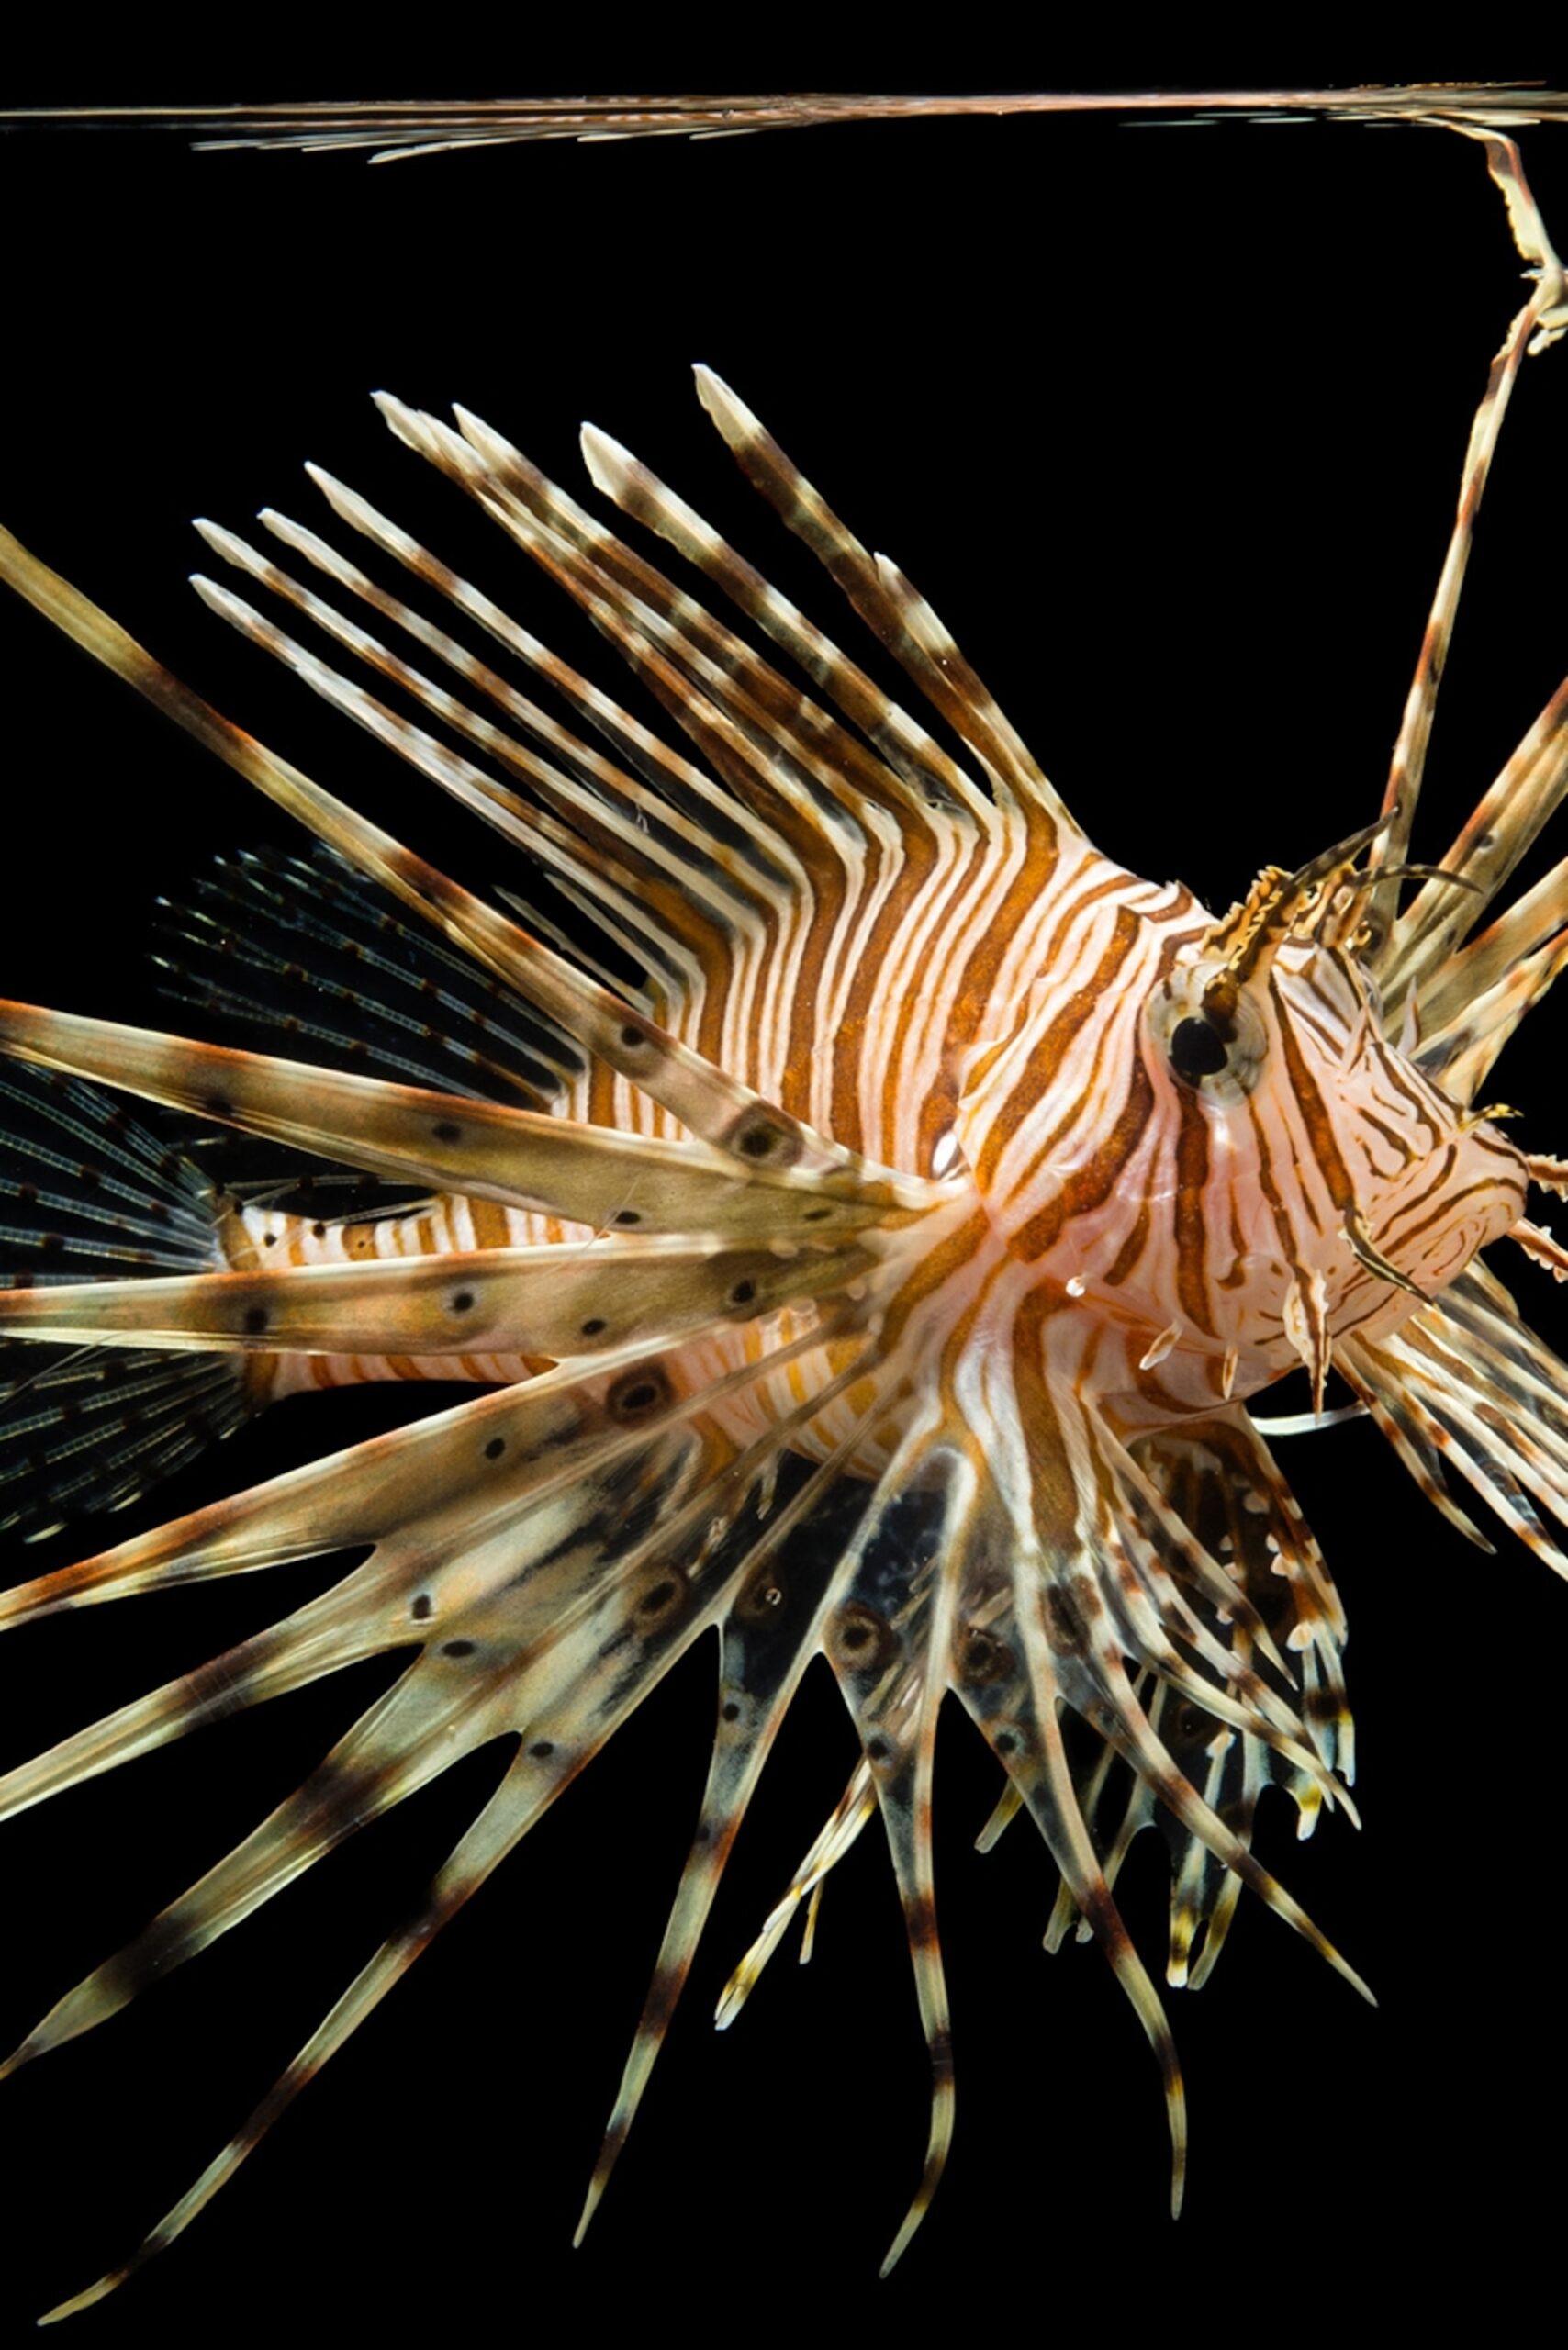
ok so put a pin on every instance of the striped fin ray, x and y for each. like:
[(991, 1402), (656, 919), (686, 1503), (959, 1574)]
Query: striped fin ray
[(868, 871), (540, 1649), (890, 1645), (1113, 1708), (94, 1429), (1191, 1573), (770, 1632), (1221, 1482), (546, 1302), (1538, 323), (1147, 1615), (1461, 1053), (1132, 1519), (884, 1616), (1203, 1892), (735, 879), (936, 917), (1472, 971), (1422, 958), (506, 1818), (891, 893), (83, 1191), (1230, 1773), (617, 814), (888, 605), (725, 837), (1058, 1628), (852, 1813), (1091, 1673), (1227, 1771), (864, 841), (930, 781), (642, 892), (588, 1174), (1094, 1645), (472, 1464), (1152, 1615), (1418, 1441), (754, 730), (1222, 1485), (546, 1617), (586, 555), (442, 1532), (1011, 1689), (637, 883), (1138, 1813), (714, 1106), (1476, 1391)]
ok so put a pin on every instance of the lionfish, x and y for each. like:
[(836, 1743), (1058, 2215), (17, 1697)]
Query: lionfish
[(880, 1272)]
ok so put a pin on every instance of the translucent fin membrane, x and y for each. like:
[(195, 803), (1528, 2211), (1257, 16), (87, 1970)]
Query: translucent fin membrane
[(305, 949), (87, 1194)]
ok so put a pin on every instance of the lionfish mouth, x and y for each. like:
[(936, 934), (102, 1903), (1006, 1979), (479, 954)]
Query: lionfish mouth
[(879, 1277)]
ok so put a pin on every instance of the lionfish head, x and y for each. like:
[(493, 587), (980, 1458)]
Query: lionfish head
[(1341, 1188)]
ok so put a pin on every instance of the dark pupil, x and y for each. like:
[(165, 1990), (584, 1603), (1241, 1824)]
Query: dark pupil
[(1196, 1050)]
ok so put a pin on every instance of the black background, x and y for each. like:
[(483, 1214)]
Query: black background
[(1168, 423)]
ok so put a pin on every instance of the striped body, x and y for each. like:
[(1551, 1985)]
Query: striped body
[(879, 1274), (1077, 1167)]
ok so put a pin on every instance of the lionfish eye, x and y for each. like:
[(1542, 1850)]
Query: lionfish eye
[(1197, 1050), (1218, 1048)]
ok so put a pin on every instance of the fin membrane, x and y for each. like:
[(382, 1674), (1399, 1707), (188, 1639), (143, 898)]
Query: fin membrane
[(87, 1194), (303, 948)]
